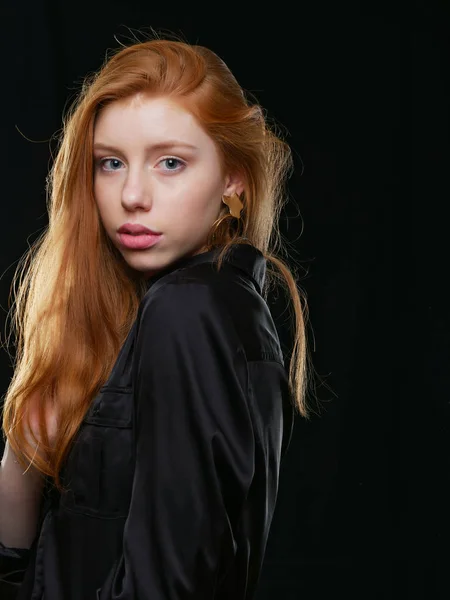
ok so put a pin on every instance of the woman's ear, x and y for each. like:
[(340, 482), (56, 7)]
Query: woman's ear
[(234, 184)]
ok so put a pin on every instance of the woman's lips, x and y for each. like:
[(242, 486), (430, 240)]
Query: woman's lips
[(140, 241)]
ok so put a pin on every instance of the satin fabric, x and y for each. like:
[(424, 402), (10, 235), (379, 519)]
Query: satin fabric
[(174, 472)]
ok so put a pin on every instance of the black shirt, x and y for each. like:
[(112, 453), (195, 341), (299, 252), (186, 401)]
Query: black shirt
[(173, 475)]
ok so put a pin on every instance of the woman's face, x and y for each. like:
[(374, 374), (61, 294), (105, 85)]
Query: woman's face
[(155, 166)]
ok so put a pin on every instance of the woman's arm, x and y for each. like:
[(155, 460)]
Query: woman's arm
[(194, 449), (20, 501), (21, 490)]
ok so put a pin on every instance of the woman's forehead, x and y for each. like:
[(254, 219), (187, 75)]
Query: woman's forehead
[(159, 120)]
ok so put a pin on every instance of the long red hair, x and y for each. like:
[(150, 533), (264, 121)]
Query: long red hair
[(77, 299)]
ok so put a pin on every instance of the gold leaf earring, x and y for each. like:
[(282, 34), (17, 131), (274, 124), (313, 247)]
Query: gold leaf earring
[(234, 204)]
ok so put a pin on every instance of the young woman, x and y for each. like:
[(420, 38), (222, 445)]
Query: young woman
[(150, 403)]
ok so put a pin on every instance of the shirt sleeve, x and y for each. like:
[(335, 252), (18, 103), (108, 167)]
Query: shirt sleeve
[(194, 449), (13, 564)]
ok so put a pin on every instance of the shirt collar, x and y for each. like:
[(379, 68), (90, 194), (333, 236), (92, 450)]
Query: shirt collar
[(245, 257)]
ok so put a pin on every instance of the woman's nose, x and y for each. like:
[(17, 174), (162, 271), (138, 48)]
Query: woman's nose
[(136, 191)]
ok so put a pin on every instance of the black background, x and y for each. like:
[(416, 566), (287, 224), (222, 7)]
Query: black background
[(362, 96)]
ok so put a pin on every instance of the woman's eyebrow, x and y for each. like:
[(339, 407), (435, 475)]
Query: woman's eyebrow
[(170, 144)]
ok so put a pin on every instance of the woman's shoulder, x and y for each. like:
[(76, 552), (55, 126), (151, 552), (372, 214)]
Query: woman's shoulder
[(187, 310), (197, 282), (201, 287), (181, 296)]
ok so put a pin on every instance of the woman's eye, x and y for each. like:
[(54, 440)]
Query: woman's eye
[(172, 164), (110, 160), (168, 164)]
